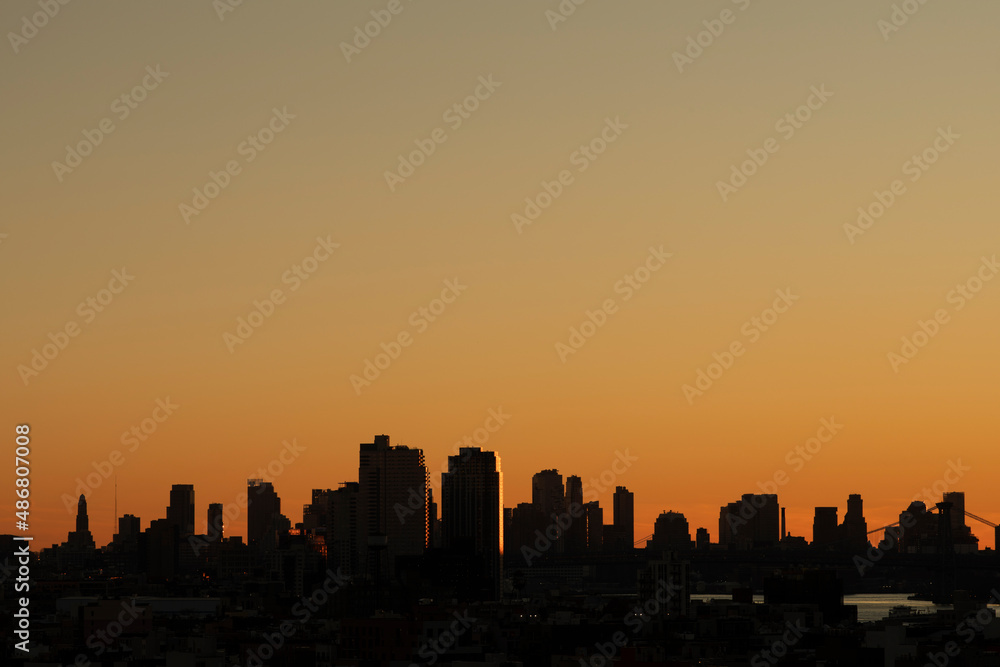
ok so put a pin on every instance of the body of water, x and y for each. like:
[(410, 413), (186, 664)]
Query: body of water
[(871, 606)]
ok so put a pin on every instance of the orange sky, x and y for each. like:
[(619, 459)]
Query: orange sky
[(661, 136)]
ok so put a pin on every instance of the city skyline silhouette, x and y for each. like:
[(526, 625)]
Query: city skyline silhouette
[(543, 332)]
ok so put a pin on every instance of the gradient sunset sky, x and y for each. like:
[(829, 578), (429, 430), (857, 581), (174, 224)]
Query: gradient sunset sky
[(892, 94)]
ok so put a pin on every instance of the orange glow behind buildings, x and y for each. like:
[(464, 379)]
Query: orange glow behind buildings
[(252, 315)]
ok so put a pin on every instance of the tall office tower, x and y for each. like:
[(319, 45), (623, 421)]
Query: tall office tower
[(825, 527), (124, 552), (576, 532), (508, 531), (393, 513), (623, 513), (917, 531), (433, 526), (574, 490), (82, 520), (472, 513), (214, 528), (315, 515), (670, 533), (162, 540), (264, 519), (522, 526), (547, 493), (702, 539), (957, 500), (728, 515), (965, 541), (180, 512), (81, 537), (752, 521), (854, 530), (593, 522), (128, 527), (342, 531)]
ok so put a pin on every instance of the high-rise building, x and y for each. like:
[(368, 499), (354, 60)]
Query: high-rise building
[(161, 549), (81, 537), (342, 532), (393, 512), (433, 525), (825, 527), (82, 520), (670, 533), (547, 492), (917, 531), (214, 522), (965, 541), (593, 523), (665, 580), (180, 512), (315, 515), (124, 551), (128, 527), (753, 521), (574, 490), (264, 518), (957, 500), (576, 532), (472, 512), (702, 539), (623, 513), (523, 525), (854, 530)]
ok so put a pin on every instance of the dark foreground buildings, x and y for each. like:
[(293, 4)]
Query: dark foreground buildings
[(373, 576)]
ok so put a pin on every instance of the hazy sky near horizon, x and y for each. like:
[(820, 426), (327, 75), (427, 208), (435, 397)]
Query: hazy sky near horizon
[(641, 139)]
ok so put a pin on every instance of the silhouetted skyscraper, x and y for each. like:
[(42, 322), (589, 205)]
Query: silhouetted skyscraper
[(576, 533), (433, 524), (128, 526), (825, 526), (547, 493), (574, 490), (957, 500), (82, 520), (522, 527), (920, 531), (161, 541), (392, 505), (124, 549), (214, 521), (81, 537), (264, 518), (315, 515), (180, 512), (670, 533), (753, 521), (854, 530), (593, 522), (343, 531), (472, 510), (963, 538), (623, 513)]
